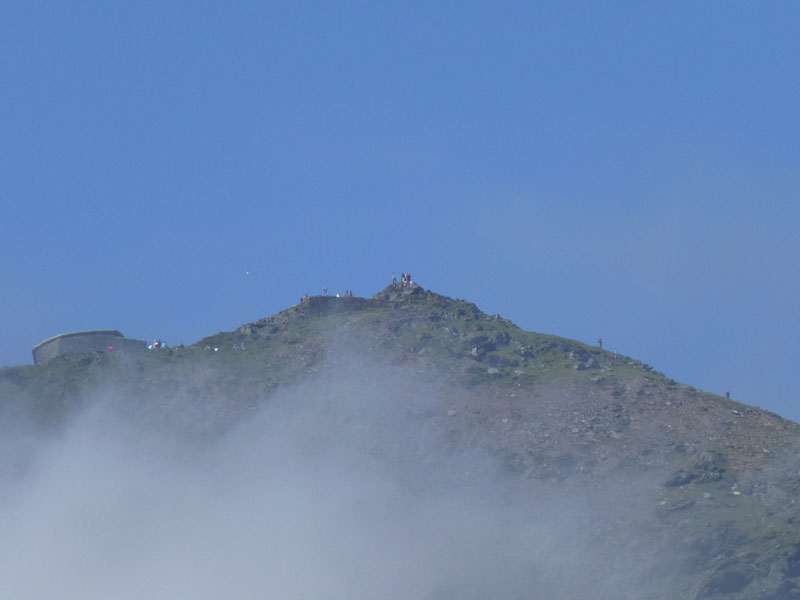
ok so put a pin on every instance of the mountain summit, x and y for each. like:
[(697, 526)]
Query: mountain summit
[(587, 473)]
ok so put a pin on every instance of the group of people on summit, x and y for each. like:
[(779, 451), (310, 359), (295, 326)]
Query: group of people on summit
[(405, 278)]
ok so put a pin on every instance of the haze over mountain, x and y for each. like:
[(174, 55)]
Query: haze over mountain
[(402, 446)]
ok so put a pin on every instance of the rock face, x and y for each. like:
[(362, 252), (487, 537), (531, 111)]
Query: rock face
[(673, 492)]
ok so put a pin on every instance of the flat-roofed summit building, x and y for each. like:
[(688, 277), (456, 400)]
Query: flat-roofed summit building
[(85, 342)]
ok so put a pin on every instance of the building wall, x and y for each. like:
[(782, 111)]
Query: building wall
[(84, 342)]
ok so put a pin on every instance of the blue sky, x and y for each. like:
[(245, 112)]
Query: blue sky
[(625, 170)]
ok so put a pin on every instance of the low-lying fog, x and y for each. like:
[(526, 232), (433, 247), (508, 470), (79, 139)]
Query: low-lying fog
[(339, 488)]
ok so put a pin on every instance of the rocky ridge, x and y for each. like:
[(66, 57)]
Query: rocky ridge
[(708, 485)]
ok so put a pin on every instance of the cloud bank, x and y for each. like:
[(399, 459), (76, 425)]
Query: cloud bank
[(340, 488)]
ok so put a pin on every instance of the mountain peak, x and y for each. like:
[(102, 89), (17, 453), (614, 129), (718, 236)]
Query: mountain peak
[(708, 485), (399, 291)]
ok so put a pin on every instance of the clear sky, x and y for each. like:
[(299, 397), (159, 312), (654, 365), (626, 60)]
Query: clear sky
[(624, 170)]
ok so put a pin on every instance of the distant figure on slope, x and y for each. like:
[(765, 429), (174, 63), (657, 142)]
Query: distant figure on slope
[(394, 277), (325, 290), (727, 395), (600, 343)]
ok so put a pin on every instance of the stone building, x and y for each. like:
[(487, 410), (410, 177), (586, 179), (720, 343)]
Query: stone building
[(84, 342)]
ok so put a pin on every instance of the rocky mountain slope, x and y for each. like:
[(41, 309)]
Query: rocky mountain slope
[(650, 488)]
